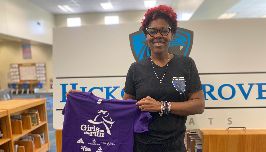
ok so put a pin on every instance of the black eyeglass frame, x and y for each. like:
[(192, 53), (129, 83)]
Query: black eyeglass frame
[(157, 30)]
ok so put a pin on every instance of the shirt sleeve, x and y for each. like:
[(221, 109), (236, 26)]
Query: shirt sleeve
[(194, 79), (130, 84)]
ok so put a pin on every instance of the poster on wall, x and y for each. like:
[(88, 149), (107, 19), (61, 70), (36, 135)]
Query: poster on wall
[(26, 51), (27, 72), (14, 73)]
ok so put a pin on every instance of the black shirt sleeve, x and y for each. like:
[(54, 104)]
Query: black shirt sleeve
[(194, 79), (129, 84)]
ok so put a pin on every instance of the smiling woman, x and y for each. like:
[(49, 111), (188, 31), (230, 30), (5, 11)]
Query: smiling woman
[(166, 85)]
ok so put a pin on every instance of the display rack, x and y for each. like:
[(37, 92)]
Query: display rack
[(15, 129), (5, 140)]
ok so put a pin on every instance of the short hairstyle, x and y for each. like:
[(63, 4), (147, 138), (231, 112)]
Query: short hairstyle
[(163, 12)]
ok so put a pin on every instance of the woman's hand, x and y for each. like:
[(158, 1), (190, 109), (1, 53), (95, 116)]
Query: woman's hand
[(149, 104), (72, 91)]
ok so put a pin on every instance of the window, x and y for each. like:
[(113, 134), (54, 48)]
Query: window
[(111, 20), (72, 22)]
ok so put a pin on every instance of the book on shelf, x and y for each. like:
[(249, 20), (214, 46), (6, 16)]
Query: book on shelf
[(35, 117), (1, 132)]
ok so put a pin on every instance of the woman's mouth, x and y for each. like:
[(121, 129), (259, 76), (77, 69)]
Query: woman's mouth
[(158, 43)]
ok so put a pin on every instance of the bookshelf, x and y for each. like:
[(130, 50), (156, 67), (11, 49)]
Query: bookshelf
[(16, 130), (5, 140)]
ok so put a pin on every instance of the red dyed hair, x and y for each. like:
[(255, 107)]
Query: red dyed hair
[(161, 11)]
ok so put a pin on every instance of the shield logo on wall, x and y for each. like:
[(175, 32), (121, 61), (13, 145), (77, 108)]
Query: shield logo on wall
[(180, 45)]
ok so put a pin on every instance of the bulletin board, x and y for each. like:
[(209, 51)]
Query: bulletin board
[(20, 72), (27, 72)]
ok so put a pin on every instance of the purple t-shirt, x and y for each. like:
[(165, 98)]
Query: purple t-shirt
[(94, 124)]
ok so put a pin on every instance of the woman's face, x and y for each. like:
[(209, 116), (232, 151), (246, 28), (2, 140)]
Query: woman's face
[(158, 35)]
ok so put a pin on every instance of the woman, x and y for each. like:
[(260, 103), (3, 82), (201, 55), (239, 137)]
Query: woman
[(164, 84)]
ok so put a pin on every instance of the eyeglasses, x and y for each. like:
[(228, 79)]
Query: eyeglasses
[(153, 31)]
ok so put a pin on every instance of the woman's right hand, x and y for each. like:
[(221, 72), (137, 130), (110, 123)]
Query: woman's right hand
[(149, 104), (72, 91)]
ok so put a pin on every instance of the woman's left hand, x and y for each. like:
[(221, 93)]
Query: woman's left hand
[(149, 104)]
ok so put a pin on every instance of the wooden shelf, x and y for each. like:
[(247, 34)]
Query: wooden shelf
[(25, 132), (5, 140), (4, 127), (23, 107), (3, 113), (44, 148), (14, 106)]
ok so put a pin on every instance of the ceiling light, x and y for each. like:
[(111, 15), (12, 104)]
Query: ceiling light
[(62, 8), (111, 20), (184, 16), (68, 8), (149, 3), (65, 8), (107, 5), (227, 15), (73, 22)]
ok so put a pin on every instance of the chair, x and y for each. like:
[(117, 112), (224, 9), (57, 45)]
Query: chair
[(38, 87), (14, 88), (25, 87), (5, 94)]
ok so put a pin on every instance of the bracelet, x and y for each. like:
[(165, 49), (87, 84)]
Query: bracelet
[(169, 107), (162, 109), (165, 108)]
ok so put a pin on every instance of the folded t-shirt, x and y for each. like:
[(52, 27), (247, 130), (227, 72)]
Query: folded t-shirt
[(95, 124)]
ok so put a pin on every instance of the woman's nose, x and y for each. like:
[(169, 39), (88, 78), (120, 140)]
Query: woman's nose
[(158, 34)]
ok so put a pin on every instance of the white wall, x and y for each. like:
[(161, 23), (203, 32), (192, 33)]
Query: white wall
[(19, 18), (238, 44), (103, 44)]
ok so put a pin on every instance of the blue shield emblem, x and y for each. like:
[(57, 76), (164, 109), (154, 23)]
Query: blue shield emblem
[(180, 45)]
